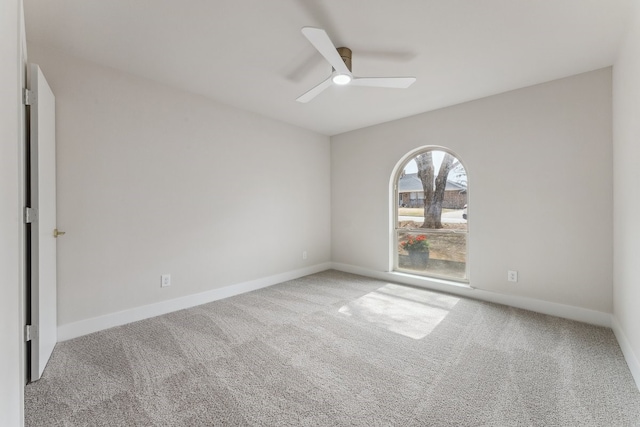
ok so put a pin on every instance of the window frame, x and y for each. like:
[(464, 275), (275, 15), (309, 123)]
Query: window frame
[(395, 197)]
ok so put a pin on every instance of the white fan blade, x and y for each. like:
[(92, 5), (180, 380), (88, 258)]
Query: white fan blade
[(391, 82), (321, 41), (308, 96)]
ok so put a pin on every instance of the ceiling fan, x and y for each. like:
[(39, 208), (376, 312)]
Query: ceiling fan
[(340, 60)]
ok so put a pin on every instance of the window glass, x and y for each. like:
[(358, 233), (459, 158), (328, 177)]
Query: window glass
[(431, 216)]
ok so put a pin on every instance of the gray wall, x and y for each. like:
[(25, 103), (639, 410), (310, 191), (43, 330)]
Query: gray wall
[(11, 202), (626, 173), (539, 162), (153, 180)]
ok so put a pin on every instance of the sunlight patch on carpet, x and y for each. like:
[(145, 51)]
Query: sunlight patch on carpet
[(407, 311)]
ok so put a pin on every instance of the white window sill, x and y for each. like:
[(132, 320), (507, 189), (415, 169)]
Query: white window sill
[(429, 282)]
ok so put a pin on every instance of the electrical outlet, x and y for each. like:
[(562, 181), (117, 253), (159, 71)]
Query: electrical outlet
[(165, 280), (304, 254), (512, 276)]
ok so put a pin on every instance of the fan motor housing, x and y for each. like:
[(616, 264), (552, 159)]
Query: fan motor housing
[(345, 54)]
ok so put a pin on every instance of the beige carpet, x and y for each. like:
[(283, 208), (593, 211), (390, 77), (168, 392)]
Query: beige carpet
[(334, 349)]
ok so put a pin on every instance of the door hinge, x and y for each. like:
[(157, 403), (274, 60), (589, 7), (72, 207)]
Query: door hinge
[(30, 332), (30, 215), (30, 97)]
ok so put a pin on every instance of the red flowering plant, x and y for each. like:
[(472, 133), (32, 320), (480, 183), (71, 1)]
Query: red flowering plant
[(416, 244)]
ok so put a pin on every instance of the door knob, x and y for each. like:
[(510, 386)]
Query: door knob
[(57, 233)]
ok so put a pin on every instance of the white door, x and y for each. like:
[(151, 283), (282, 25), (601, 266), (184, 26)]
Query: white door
[(43, 233)]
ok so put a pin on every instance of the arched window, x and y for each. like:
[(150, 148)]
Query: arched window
[(431, 197)]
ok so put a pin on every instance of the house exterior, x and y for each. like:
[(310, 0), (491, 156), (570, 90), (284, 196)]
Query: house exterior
[(411, 194)]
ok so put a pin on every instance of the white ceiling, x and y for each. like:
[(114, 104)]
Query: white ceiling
[(252, 55)]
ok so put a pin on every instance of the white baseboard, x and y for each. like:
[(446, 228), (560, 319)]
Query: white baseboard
[(545, 307), (632, 359), (95, 324)]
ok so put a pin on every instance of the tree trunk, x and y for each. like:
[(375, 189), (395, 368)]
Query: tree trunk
[(433, 197), (426, 175)]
